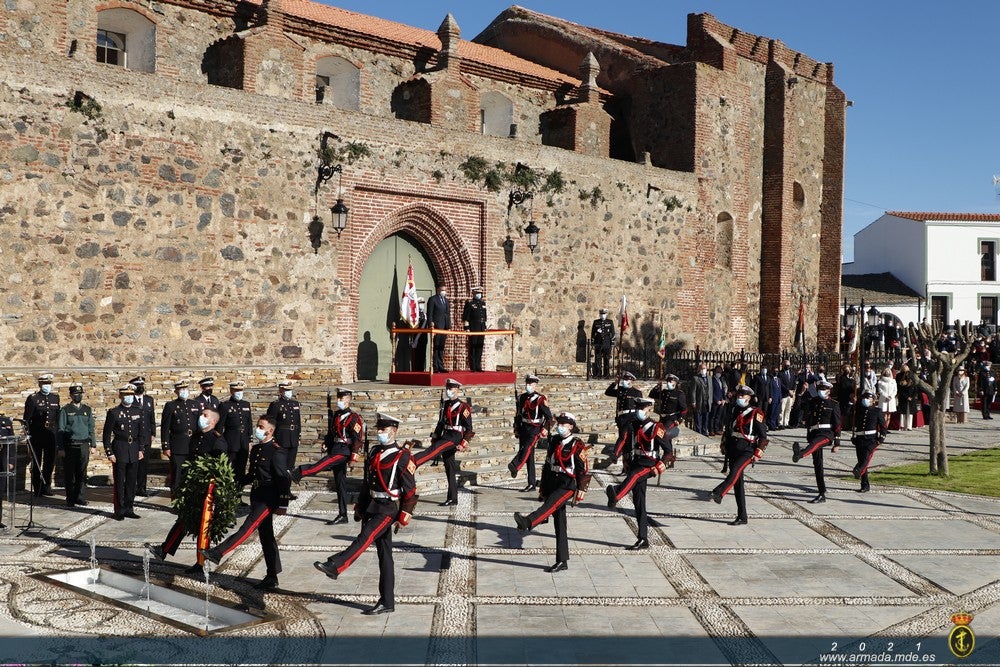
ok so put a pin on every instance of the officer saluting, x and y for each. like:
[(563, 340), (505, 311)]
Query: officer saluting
[(286, 414), (869, 432), (124, 429), (388, 495), (77, 441), (823, 424), (236, 425), (474, 319), (646, 438), (177, 427), (531, 423), (624, 394), (41, 416), (602, 339), (743, 442), (673, 405), (345, 436)]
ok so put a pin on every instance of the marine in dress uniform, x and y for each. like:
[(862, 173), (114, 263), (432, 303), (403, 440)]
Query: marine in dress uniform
[(148, 407), (624, 394), (474, 319), (743, 442), (345, 438), (672, 406), (236, 426), (823, 424), (869, 432), (269, 495), (205, 399), (650, 453), (565, 477), (77, 441), (602, 339), (177, 428), (124, 428), (41, 416), (451, 435), (531, 424), (388, 496), (208, 440), (285, 412)]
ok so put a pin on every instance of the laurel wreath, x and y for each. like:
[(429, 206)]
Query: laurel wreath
[(190, 498)]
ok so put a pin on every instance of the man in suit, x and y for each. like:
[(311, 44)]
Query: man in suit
[(787, 379), (439, 317)]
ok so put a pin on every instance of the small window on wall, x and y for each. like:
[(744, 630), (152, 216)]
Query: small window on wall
[(111, 48), (338, 83), (798, 195), (988, 260), (496, 114), (724, 241), (988, 309)]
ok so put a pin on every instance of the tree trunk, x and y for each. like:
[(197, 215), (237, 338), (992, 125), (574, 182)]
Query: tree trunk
[(937, 419)]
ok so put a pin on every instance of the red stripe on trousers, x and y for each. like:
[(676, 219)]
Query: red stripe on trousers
[(868, 462), (736, 477), (247, 533), (632, 479), (547, 513), (528, 452), (322, 464), (367, 543), (813, 448), (428, 454)]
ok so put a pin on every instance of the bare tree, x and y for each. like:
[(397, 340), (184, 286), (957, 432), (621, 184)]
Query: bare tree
[(943, 365)]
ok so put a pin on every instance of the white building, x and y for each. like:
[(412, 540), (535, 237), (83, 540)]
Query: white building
[(949, 258)]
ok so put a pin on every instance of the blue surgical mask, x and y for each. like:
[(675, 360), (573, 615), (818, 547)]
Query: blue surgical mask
[(824, 393), (867, 402), (641, 414), (383, 438), (287, 393), (341, 405), (203, 423), (563, 430), (127, 400), (530, 388), (671, 385), (450, 393), (46, 388), (183, 394), (238, 395), (259, 433), (743, 402), (626, 383)]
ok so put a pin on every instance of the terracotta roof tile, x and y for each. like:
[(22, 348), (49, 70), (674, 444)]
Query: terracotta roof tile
[(398, 32), (923, 216)]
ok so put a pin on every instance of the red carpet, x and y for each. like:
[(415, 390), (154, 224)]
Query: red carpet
[(465, 377)]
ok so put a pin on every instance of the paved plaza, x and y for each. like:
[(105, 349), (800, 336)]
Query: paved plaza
[(864, 574)]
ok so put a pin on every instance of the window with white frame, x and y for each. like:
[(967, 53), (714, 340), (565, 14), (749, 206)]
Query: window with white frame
[(111, 48), (126, 38), (988, 260)]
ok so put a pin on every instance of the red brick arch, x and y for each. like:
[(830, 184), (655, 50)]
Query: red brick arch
[(449, 254)]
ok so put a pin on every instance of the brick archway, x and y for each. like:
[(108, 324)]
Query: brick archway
[(449, 254)]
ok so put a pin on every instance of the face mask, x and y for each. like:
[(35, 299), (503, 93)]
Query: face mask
[(203, 423), (641, 414), (604, 316), (824, 393), (671, 385), (450, 393), (238, 395), (477, 297), (443, 294), (139, 390), (627, 384), (183, 394), (207, 392), (563, 430), (866, 402), (383, 438), (259, 434), (742, 402), (46, 388), (530, 388), (341, 405), (127, 400), (77, 398), (703, 372), (287, 393)]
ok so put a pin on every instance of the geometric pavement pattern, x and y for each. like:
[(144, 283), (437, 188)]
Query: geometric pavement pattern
[(876, 574)]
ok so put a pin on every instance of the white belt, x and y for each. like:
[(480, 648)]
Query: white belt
[(534, 421), (460, 429), (746, 437), (818, 427), (869, 433), (383, 495)]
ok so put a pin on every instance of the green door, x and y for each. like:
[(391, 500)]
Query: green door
[(379, 294)]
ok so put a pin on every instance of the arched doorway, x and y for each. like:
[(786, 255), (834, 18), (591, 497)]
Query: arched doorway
[(379, 291)]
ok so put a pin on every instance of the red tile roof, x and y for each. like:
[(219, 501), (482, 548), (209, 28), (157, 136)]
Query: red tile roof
[(410, 35), (947, 217)]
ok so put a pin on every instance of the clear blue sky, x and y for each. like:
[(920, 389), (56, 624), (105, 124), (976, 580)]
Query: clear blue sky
[(924, 130)]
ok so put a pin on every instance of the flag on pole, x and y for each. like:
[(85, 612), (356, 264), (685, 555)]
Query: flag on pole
[(408, 306), (800, 328), (623, 316), (661, 348)]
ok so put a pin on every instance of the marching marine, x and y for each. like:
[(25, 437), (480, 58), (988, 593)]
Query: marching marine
[(451, 435), (532, 422), (869, 432), (743, 442), (823, 425)]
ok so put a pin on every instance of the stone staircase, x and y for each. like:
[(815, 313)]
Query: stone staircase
[(486, 460)]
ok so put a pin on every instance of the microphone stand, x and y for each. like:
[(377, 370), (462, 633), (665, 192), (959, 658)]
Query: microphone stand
[(31, 525)]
